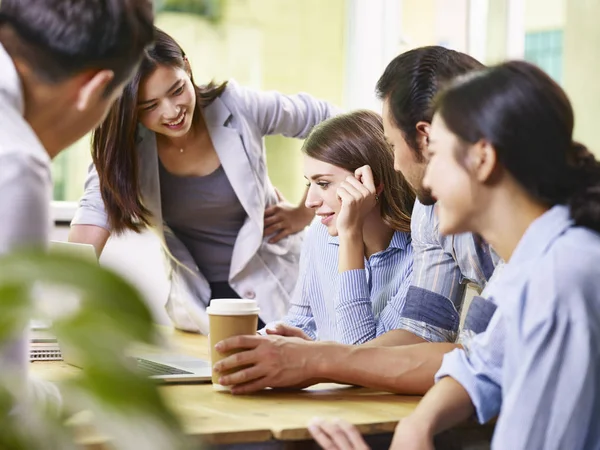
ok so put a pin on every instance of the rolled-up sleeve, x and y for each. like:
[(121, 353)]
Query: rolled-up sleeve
[(91, 210), (300, 314), (479, 371), (430, 311)]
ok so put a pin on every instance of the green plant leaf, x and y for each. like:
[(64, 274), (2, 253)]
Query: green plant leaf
[(110, 318)]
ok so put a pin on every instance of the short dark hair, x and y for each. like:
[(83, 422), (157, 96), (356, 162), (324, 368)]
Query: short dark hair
[(528, 119), (411, 81), (59, 38)]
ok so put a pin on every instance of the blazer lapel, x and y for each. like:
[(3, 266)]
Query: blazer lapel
[(148, 174), (238, 168)]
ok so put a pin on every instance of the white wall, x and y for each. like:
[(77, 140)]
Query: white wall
[(541, 15)]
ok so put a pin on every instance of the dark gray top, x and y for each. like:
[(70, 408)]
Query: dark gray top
[(206, 215)]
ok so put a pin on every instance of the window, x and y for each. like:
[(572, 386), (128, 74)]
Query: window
[(69, 170), (545, 49)]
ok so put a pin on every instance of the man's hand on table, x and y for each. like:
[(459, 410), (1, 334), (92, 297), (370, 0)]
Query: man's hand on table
[(274, 361)]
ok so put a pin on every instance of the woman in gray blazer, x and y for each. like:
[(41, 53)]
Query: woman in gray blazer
[(189, 162)]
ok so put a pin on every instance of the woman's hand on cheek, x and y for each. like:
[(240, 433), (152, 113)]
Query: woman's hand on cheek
[(358, 196)]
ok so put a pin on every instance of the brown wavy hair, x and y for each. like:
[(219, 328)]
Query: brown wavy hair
[(354, 140), (114, 141)]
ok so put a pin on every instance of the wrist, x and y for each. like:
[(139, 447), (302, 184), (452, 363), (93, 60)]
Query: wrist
[(351, 234), (422, 423), (328, 359)]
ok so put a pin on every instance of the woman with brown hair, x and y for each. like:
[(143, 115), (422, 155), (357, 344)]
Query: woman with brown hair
[(189, 162), (356, 262)]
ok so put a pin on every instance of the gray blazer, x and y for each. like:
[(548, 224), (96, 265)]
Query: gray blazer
[(237, 121)]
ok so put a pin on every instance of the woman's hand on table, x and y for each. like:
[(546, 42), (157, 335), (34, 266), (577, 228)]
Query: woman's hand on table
[(282, 329), (336, 435), (271, 361)]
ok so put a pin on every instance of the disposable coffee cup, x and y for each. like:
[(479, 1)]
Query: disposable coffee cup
[(229, 317)]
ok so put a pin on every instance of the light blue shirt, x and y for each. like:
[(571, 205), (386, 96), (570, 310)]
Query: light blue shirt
[(442, 267), (538, 362), (357, 305)]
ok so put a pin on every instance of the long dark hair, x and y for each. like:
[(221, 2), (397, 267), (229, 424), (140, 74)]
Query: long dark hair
[(114, 141), (356, 139), (528, 119), (411, 81)]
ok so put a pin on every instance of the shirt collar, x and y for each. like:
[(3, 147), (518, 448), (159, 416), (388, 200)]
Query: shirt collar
[(10, 83), (542, 233), (400, 240)]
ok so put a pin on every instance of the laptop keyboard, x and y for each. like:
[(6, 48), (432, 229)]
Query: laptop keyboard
[(152, 368)]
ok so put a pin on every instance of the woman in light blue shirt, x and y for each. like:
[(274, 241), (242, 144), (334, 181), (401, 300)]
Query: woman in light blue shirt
[(503, 164), (356, 261)]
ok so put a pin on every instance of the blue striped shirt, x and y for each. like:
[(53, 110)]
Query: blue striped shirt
[(442, 267), (354, 306), (538, 361)]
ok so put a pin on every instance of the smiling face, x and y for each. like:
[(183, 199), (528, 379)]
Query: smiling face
[(323, 179), (166, 101), (459, 195)]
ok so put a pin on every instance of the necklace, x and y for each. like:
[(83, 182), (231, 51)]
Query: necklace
[(180, 150)]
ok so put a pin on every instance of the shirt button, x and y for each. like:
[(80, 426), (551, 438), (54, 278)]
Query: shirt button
[(250, 295)]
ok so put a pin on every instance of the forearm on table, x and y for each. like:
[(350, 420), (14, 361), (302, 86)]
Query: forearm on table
[(405, 369), (447, 404)]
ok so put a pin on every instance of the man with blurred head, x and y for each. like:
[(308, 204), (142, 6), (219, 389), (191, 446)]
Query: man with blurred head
[(63, 64)]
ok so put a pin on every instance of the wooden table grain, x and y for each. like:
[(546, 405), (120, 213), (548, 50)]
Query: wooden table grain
[(221, 418)]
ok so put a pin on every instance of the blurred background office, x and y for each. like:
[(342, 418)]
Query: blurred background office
[(336, 50)]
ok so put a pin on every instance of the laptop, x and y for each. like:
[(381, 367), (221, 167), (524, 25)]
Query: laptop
[(163, 366)]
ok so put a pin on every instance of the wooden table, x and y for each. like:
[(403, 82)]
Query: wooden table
[(221, 418)]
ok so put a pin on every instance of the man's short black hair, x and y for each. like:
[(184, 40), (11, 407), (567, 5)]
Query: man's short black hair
[(60, 38), (411, 81)]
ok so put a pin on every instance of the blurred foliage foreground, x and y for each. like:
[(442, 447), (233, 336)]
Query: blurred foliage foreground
[(107, 317)]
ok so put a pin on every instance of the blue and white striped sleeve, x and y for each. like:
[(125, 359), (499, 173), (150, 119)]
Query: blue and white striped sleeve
[(354, 317), (430, 310), (391, 315), (300, 314)]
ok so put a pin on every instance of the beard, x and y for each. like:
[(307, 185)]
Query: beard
[(424, 196)]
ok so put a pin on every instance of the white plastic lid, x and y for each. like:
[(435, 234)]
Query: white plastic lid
[(232, 307)]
